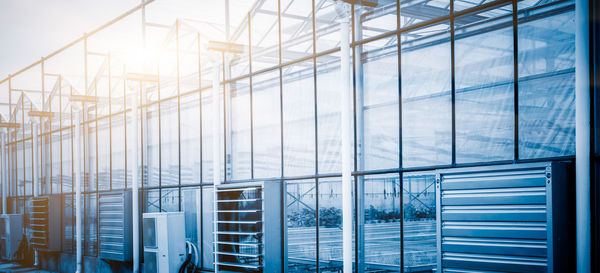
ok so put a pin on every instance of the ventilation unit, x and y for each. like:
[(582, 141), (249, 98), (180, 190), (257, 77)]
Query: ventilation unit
[(164, 241), (11, 233), (45, 223), (248, 227), (510, 218), (115, 230)]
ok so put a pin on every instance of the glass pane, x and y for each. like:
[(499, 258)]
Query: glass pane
[(301, 226), (118, 152), (377, 116), (207, 228), (546, 86), (190, 139), (90, 224), (239, 139), (413, 12), (376, 20), (151, 200), (169, 150), (328, 114), (267, 125), (190, 205), (298, 119), (68, 223), (426, 96), (207, 147), (296, 29), (419, 204), (330, 225), (103, 154), (484, 91), (382, 222), (169, 200), (151, 141)]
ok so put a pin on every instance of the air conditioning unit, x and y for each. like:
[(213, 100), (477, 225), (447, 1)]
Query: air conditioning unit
[(247, 231), (115, 226), (44, 222), (11, 233), (164, 241), (515, 218)]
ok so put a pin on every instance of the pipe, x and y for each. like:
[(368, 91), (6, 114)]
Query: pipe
[(215, 126), (78, 215), (346, 133), (135, 191), (582, 135)]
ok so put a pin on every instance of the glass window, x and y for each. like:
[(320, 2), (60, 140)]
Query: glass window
[(267, 125), (381, 209), (301, 226), (151, 200), (169, 140), (330, 225), (91, 159), (377, 116), (328, 114), (190, 205), (151, 141), (296, 29), (207, 146), (484, 89), (103, 154), (118, 152), (90, 225), (67, 162), (426, 96), (239, 137), (298, 119), (265, 35), (376, 20), (207, 228), (169, 200), (413, 12), (190, 139), (419, 205), (546, 86), (68, 223)]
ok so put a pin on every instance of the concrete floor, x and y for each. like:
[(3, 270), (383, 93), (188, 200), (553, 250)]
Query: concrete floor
[(8, 267)]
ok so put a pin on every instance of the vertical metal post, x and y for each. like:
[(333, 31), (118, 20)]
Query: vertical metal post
[(134, 189), (582, 135), (34, 161), (78, 215), (346, 104), (4, 171), (215, 126)]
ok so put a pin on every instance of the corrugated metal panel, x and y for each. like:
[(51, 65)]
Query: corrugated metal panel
[(494, 219), (114, 211)]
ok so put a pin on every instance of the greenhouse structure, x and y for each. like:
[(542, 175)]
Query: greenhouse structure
[(309, 136)]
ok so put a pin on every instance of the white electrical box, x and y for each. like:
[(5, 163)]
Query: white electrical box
[(164, 241), (11, 233)]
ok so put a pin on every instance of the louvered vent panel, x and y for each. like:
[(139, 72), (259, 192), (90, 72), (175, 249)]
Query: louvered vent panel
[(115, 226), (496, 218)]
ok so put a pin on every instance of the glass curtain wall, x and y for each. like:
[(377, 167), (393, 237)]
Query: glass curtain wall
[(436, 84)]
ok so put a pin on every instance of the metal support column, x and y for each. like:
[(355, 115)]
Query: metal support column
[(78, 214), (582, 134), (346, 104), (134, 188)]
